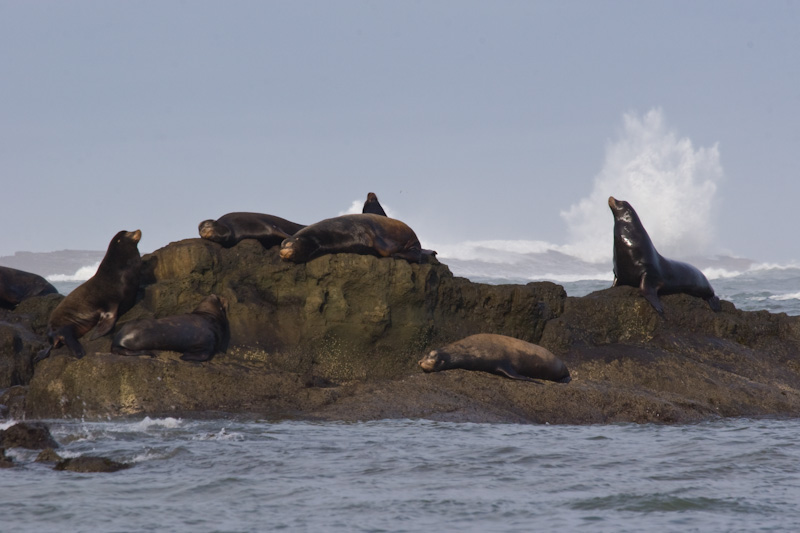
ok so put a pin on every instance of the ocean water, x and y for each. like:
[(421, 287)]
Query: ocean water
[(412, 475)]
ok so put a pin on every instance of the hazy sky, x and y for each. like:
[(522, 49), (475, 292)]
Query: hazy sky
[(470, 120)]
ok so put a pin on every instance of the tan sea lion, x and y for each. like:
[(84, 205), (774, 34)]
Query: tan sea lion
[(500, 355)]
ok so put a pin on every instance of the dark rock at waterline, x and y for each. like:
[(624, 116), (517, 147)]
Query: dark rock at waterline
[(48, 455), (89, 464), (30, 435), (338, 339), (12, 402), (5, 461)]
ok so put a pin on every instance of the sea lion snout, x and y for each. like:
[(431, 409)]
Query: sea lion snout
[(612, 202), (206, 229), (428, 363), (286, 251), (135, 236)]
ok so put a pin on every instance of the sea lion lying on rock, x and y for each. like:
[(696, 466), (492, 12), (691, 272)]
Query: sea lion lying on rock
[(197, 335), (229, 229), (17, 285), (100, 300), (498, 354), (638, 264), (366, 234)]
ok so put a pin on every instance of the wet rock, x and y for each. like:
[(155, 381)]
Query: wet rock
[(5, 461), (48, 455), (30, 435), (338, 338), (88, 464), (12, 402)]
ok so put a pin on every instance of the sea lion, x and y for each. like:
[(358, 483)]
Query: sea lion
[(17, 285), (372, 205), (366, 234), (500, 355), (229, 229), (638, 264), (100, 300), (198, 335)]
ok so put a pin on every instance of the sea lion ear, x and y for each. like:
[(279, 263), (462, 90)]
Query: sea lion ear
[(106, 323)]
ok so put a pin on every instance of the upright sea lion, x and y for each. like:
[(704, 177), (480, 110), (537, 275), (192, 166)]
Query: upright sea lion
[(229, 229), (638, 264), (372, 205), (365, 234), (198, 335), (100, 300), (498, 354), (17, 285)]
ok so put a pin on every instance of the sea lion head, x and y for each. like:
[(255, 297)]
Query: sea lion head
[(434, 361), (213, 231), (298, 250), (214, 305), (621, 209), (372, 197)]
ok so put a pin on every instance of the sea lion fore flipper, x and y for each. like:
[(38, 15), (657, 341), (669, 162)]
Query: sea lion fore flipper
[(105, 324), (650, 292), (714, 304)]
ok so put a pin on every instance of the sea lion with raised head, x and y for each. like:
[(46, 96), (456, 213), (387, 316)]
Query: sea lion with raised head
[(498, 354), (229, 229), (197, 335), (372, 205), (638, 264), (100, 300), (18, 285), (365, 234)]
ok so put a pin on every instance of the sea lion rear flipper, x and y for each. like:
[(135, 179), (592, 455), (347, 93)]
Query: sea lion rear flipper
[(43, 354), (105, 324), (511, 373), (197, 357)]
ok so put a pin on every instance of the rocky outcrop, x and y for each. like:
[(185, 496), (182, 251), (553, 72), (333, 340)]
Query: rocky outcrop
[(339, 337), (30, 435)]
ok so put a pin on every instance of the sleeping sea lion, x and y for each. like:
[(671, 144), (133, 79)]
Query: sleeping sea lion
[(498, 354), (366, 234), (638, 264), (17, 285), (100, 300), (229, 229), (197, 335)]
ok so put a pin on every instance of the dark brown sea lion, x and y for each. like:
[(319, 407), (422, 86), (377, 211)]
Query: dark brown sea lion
[(498, 354), (17, 285), (638, 264), (229, 229), (372, 205), (198, 335), (100, 300), (365, 234)]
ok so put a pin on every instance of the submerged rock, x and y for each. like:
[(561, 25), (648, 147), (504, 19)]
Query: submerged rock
[(88, 464)]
